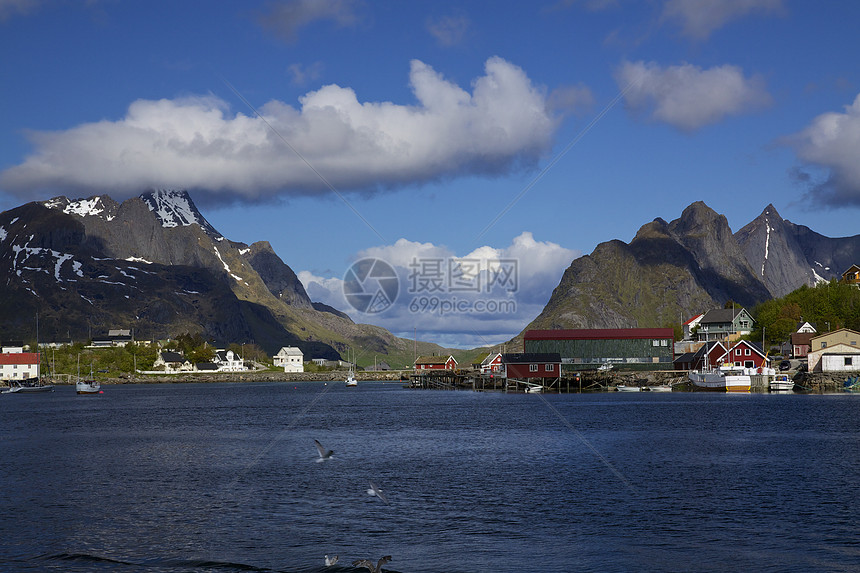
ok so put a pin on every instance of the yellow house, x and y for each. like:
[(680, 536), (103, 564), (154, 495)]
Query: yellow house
[(851, 276), (843, 342)]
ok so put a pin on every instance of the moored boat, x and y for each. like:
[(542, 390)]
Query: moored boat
[(724, 378), (88, 387), (781, 382), (623, 388), (29, 386)]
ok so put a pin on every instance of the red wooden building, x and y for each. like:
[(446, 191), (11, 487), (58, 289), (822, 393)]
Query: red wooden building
[(527, 365), (747, 354), (435, 363)]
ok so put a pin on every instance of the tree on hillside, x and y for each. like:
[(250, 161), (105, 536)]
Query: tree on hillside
[(833, 304)]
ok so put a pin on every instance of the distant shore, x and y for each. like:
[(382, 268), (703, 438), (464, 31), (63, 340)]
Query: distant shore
[(590, 380)]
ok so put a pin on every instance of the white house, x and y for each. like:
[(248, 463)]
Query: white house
[(172, 362), (19, 365), (228, 361), (291, 358)]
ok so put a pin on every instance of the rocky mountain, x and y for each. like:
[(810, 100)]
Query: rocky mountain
[(670, 271), (154, 264)]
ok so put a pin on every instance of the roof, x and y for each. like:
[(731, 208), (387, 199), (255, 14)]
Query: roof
[(599, 334), (290, 351), (530, 357), (694, 319), (19, 358), (802, 338), (720, 315), (434, 359), (168, 356)]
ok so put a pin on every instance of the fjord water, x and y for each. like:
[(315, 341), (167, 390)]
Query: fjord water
[(223, 477)]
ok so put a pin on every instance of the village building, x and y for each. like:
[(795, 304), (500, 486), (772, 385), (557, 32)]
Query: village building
[(115, 337), (747, 355), (18, 365), (531, 365), (292, 359), (851, 276), (435, 363), (172, 362), (708, 355), (492, 363), (229, 361), (691, 325), (642, 348), (834, 351), (724, 324)]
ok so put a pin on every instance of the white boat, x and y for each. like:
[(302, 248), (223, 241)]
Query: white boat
[(726, 378), (623, 388), (781, 382), (660, 388), (350, 379), (29, 386), (88, 387), (605, 367), (534, 389)]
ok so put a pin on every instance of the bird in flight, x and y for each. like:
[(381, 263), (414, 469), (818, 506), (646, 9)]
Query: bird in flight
[(373, 568), (374, 490), (324, 453)]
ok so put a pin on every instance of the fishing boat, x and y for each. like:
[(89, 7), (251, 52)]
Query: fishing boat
[(726, 378), (88, 387), (28, 386), (781, 382)]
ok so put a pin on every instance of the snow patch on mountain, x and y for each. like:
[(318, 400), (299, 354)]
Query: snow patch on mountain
[(174, 208), (91, 207), (3, 234)]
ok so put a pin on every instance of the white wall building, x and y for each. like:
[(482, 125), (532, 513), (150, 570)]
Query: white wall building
[(291, 358)]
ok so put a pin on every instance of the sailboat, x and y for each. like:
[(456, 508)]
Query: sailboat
[(87, 387), (351, 382)]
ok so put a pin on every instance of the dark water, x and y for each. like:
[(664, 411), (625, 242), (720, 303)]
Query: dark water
[(223, 478)]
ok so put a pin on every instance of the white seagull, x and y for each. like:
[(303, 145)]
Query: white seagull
[(373, 568), (329, 561), (324, 453), (374, 490)]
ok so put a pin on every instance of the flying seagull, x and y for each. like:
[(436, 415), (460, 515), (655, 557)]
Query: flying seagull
[(374, 490), (329, 561), (324, 453), (373, 568)]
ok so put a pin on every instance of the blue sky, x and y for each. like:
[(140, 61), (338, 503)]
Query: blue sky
[(437, 131)]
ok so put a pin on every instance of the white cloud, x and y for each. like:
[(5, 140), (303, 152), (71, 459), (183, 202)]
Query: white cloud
[(449, 303), (699, 18), (688, 97), (832, 142), (196, 143)]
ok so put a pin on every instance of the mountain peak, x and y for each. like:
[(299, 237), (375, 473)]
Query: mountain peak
[(174, 208)]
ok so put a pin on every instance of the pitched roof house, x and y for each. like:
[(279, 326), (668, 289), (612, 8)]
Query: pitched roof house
[(19, 365), (435, 363), (291, 358), (722, 323)]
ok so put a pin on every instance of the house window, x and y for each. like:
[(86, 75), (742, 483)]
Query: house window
[(664, 343), (655, 343), (747, 352), (533, 367), (824, 345), (848, 361), (550, 367)]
